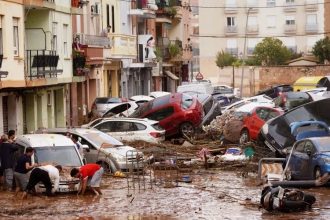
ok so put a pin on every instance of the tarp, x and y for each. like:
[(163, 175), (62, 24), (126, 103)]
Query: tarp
[(306, 83)]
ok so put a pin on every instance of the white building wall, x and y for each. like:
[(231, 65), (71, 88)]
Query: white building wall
[(213, 20)]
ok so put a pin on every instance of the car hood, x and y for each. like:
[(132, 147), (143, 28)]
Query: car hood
[(121, 150)]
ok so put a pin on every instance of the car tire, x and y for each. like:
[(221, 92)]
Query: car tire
[(187, 129), (245, 137), (317, 173)]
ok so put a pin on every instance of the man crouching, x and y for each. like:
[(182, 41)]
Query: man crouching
[(46, 175), (90, 175)]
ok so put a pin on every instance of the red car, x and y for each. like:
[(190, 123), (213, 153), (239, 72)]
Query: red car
[(254, 120), (177, 113)]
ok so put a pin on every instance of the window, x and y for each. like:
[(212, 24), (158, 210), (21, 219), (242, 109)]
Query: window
[(124, 126), (1, 39), (300, 147), (289, 1), (271, 21), (113, 18), (231, 43), (161, 114), (15, 36), (105, 127), (271, 3), (311, 19), (54, 37), (65, 40), (140, 126), (290, 20), (272, 114), (187, 101), (252, 21), (262, 113), (231, 21), (309, 147)]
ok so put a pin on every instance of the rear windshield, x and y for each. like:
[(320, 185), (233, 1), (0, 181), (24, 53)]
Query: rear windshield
[(96, 121), (146, 107), (187, 101), (157, 127), (104, 100)]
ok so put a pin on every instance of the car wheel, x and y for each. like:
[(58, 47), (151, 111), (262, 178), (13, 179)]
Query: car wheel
[(245, 137), (317, 173), (187, 129)]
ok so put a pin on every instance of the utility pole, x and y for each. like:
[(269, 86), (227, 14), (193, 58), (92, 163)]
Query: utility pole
[(243, 61)]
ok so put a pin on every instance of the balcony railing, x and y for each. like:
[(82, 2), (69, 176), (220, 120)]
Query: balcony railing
[(311, 28), (290, 28), (252, 29), (94, 40), (123, 45), (170, 3), (290, 7), (79, 65), (231, 29), (41, 64), (232, 51), (311, 5)]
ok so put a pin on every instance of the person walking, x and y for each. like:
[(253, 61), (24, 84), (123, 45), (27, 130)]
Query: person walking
[(90, 175), (23, 166), (47, 175), (7, 151)]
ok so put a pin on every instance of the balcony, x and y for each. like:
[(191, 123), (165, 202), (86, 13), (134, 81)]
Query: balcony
[(123, 46), (311, 28), (232, 51), (311, 5), (3, 74), (76, 7), (94, 40), (252, 29), (41, 64), (231, 9), (290, 7), (144, 9), (290, 29), (171, 9), (231, 30), (39, 4)]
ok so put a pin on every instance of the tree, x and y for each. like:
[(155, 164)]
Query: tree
[(224, 59), (271, 51), (321, 49)]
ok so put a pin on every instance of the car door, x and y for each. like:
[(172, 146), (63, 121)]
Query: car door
[(107, 127), (296, 162), (258, 120), (309, 160), (124, 130)]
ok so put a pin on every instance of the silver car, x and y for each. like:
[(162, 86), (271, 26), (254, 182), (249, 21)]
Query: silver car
[(105, 150)]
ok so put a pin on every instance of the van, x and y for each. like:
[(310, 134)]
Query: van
[(53, 149), (199, 87)]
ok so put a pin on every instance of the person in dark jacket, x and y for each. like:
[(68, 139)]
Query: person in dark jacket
[(7, 151)]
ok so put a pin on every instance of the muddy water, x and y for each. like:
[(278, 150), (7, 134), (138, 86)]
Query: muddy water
[(211, 195)]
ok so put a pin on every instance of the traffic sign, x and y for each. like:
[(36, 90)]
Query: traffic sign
[(199, 76)]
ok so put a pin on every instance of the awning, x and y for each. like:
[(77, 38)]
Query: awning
[(171, 75)]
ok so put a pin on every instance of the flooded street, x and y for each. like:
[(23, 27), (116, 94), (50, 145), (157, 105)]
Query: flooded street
[(211, 195)]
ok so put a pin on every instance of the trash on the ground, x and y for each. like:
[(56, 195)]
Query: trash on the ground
[(187, 144), (234, 154), (285, 200), (119, 174)]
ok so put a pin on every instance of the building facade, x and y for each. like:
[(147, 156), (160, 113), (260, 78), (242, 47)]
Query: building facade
[(243, 24)]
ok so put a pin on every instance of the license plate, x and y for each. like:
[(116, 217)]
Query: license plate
[(66, 189)]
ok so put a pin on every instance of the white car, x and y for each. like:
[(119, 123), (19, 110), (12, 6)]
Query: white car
[(226, 90), (130, 129), (53, 149), (103, 149), (157, 94), (257, 99), (141, 99)]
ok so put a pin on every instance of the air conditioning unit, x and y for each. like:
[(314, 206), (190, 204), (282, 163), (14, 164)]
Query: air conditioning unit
[(95, 9)]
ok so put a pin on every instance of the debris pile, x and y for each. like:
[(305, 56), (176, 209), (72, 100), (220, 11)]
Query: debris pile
[(228, 125)]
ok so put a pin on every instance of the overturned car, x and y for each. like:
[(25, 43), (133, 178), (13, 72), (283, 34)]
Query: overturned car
[(276, 133)]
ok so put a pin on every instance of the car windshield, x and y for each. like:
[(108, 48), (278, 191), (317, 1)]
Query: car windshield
[(63, 155), (223, 90), (104, 100), (102, 140), (323, 144)]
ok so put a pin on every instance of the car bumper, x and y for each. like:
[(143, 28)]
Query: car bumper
[(131, 165), (63, 187)]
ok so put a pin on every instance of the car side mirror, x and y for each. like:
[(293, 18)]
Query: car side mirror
[(309, 152)]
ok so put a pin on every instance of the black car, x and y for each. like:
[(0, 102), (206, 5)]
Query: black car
[(275, 91), (290, 100), (276, 133)]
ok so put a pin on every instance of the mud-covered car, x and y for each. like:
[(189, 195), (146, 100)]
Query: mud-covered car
[(53, 149), (290, 100), (276, 133)]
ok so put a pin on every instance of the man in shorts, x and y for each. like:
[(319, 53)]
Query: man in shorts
[(89, 175)]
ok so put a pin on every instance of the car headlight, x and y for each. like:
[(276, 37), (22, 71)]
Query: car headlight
[(326, 159)]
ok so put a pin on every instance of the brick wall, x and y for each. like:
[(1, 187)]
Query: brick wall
[(289, 74)]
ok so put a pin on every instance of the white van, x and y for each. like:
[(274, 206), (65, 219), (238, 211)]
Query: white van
[(199, 87), (53, 149)]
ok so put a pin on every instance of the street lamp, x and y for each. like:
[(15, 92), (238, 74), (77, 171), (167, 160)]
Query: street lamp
[(244, 47)]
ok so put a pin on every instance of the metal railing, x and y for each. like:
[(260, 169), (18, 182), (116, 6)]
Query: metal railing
[(231, 29), (311, 28), (41, 64)]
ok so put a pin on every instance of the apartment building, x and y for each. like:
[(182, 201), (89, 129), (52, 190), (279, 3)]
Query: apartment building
[(241, 25), (194, 65)]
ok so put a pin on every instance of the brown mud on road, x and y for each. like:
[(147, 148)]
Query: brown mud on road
[(213, 194)]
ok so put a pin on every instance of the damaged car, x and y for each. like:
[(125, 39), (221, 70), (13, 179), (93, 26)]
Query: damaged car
[(276, 133)]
